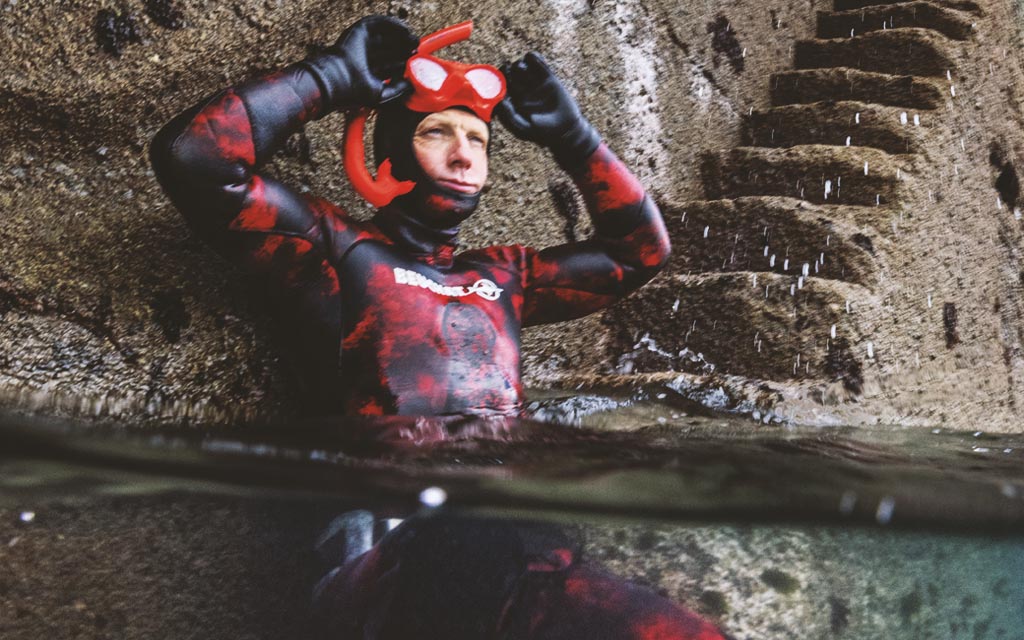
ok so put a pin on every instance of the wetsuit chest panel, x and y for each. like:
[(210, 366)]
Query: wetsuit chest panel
[(428, 341)]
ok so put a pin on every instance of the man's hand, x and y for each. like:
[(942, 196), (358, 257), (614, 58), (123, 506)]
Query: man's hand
[(539, 109), (364, 67)]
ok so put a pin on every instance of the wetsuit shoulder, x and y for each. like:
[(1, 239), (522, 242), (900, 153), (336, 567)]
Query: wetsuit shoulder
[(512, 258)]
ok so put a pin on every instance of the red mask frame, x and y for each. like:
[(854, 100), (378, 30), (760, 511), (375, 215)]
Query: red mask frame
[(437, 85)]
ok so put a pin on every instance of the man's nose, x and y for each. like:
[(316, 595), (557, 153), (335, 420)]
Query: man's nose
[(459, 154)]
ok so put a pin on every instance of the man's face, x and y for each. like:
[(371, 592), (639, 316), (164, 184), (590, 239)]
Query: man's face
[(451, 147)]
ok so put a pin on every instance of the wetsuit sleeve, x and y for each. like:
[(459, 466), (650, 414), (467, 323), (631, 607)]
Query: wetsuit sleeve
[(208, 162), (630, 245)]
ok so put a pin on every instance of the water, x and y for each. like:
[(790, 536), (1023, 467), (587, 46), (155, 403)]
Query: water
[(765, 530)]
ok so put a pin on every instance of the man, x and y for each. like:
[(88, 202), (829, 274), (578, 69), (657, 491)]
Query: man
[(383, 317), (420, 329)]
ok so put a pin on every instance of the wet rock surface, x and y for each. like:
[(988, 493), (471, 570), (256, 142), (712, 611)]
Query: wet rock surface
[(828, 85), (761, 582), (840, 124), (765, 234), (924, 15), (910, 51), (173, 568)]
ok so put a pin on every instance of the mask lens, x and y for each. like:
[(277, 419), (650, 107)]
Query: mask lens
[(428, 73), (485, 82)]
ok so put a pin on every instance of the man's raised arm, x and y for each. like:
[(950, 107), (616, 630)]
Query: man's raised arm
[(208, 159), (630, 244)]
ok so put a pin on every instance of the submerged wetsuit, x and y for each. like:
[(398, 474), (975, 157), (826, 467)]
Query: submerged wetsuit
[(384, 317), (459, 578)]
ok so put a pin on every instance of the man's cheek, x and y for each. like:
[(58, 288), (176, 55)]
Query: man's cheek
[(481, 169)]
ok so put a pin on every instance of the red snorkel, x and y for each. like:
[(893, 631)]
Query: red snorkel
[(445, 37), (437, 85)]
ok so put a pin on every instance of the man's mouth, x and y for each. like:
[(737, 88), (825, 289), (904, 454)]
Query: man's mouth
[(458, 185)]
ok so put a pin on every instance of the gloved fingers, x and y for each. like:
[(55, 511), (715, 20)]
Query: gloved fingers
[(391, 35), (541, 74), (378, 43), (506, 70), (532, 85), (512, 120), (517, 79), (395, 90), (389, 45), (385, 25), (537, 66), (387, 70), (376, 49), (383, 29)]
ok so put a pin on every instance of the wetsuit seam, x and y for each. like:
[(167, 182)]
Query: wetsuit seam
[(320, 224), (172, 148), (621, 292), (277, 232), (253, 129), (351, 246)]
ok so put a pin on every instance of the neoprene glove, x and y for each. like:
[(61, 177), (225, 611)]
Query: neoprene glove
[(539, 109), (353, 72)]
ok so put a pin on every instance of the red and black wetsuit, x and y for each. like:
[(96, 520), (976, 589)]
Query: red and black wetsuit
[(458, 578), (383, 316)]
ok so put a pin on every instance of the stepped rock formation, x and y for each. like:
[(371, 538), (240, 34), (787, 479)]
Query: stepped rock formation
[(839, 178), (852, 260)]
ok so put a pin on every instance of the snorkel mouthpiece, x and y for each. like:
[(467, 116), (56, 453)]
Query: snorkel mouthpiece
[(437, 85)]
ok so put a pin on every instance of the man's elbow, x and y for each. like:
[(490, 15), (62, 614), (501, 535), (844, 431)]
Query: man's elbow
[(170, 158), (656, 248), (651, 262), (161, 156), (663, 246), (188, 169)]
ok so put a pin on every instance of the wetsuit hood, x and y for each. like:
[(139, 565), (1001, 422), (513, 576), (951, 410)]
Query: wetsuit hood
[(428, 203)]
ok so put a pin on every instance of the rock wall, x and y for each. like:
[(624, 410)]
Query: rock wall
[(857, 251), (839, 178)]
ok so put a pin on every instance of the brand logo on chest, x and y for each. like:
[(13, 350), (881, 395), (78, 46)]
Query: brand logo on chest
[(484, 288)]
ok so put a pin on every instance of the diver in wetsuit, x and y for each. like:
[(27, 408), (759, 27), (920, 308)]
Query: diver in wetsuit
[(384, 316), (421, 329)]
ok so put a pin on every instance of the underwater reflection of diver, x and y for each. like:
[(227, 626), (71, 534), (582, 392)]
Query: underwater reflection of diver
[(459, 578)]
